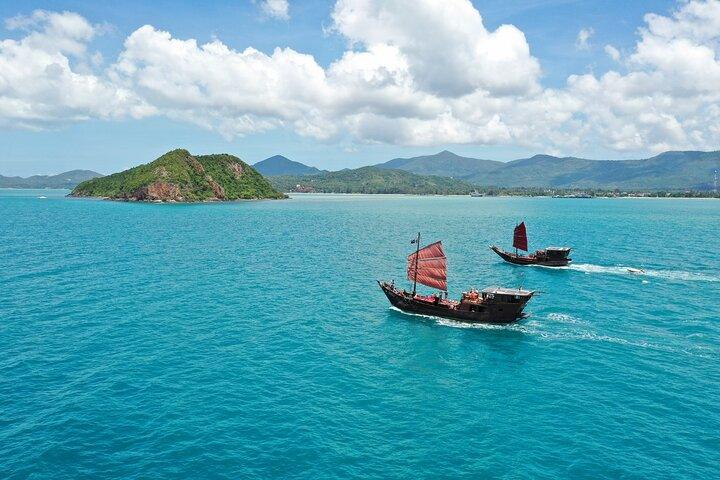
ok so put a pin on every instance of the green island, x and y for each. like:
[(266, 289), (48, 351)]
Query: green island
[(178, 176), (371, 180)]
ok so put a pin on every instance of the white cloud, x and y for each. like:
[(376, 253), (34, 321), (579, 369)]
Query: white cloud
[(612, 52), (221, 88), (448, 49), (417, 72), (279, 9), (669, 97), (41, 78), (52, 32), (583, 38)]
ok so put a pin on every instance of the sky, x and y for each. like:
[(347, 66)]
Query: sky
[(340, 84)]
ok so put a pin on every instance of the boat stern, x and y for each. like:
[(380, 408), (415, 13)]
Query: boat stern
[(508, 303)]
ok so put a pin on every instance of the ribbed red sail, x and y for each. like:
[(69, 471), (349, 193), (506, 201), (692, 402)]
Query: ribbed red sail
[(520, 237), (431, 266)]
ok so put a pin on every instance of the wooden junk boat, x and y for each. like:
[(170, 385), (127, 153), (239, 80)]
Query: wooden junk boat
[(428, 266), (549, 257)]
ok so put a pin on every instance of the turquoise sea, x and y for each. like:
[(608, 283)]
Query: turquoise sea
[(250, 340)]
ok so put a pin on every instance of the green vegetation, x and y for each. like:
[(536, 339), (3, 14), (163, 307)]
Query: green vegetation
[(444, 164), (667, 171), (591, 192), (371, 180), (62, 180), (179, 176), (279, 165)]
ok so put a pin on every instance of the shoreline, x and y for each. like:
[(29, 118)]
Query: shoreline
[(618, 197), (171, 202), (289, 195)]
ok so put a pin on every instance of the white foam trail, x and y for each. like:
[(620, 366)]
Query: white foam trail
[(431, 317), (564, 318), (535, 328), (678, 275), (484, 326), (455, 323), (588, 268)]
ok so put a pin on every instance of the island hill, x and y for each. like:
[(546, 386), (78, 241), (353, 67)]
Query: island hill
[(688, 173), (175, 176), (179, 176)]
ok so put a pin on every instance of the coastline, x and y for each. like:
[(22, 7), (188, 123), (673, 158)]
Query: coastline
[(289, 195), (609, 197), (173, 202)]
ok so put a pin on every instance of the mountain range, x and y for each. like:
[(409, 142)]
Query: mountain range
[(279, 165), (444, 164), (684, 170), (669, 170), (63, 180)]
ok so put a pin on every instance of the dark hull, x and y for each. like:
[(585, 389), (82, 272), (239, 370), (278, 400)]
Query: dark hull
[(526, 260), (494, 313)]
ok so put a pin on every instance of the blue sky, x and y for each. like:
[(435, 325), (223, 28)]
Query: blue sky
[(109, 142)]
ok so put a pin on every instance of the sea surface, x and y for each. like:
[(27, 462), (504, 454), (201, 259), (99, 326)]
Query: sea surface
[(250, 340)]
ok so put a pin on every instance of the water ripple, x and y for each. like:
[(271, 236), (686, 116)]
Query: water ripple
[(249, 340)]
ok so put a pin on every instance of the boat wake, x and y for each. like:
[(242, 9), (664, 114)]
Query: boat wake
[(527, 326), (562, 327), (454, 323), (564, 318), (677, 275)]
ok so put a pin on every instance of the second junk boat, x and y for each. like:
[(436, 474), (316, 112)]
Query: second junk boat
[(428, 266), (548, 257)]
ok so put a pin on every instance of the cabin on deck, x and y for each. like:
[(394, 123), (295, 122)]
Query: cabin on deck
[(473, 300), (554, 253), (506, 295)]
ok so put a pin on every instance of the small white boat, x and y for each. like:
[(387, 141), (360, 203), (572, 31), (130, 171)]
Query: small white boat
[(636, 271)]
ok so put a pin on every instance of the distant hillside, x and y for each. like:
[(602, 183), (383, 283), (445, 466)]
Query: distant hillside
[(371, 180), (670, 170), (279, 165), (180, 176), (445, 164), (63, 180)]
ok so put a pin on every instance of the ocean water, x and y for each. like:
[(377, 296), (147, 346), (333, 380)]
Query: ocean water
[(250, 340)]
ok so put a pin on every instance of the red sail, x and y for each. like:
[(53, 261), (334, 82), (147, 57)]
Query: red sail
[(431, 266), (520, 237)]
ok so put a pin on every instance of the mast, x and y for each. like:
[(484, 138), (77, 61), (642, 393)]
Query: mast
[(417, 256)]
